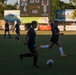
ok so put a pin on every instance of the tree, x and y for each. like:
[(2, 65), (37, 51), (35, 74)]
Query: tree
[(55, 6), (10, 7), (16, 4), (60, 5), (5, 7), (3, 1), (73, 2), (74, 14)]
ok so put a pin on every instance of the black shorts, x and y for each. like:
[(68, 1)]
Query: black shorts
[(31, 46), (54, 40), (17, 31), (7, 30)]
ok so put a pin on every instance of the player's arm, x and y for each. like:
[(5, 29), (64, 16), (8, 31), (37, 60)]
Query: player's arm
[(6, 28), (14, 28), (59, 33), (26, 39)]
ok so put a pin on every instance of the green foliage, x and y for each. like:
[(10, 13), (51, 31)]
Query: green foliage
[(2, 12), (6, 7), (73, 2), (10, 7), (60, 5), (3, 1), (74, 14), (56, 5)]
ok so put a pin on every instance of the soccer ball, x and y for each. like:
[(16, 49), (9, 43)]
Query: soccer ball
[(50, 62)]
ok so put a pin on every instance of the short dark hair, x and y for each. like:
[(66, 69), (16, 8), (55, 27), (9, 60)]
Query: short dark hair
[(33, 22)]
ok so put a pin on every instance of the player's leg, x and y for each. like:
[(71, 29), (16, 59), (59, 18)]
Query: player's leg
[(46, 46), (35, 57), (58, 43), (27, 54), (51, 44), (9, 34), (34, 54), (18, 35), (5, 33)]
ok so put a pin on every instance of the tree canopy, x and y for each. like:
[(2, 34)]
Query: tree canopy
[(74, 14), (73, 2), (56, 5), (60, 5), (4, 6)]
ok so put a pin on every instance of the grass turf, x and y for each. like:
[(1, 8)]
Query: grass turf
[(10, 63)]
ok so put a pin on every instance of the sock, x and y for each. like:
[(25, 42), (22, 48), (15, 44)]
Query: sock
[(35, 60), (61, 50), (45, 46)]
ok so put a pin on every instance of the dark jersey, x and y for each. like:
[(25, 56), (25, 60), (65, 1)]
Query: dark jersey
[(54, 37), (32, 35), (7, 27), (17, 26)]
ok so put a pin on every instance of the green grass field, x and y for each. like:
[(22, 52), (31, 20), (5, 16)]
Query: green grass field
[(10, 63)]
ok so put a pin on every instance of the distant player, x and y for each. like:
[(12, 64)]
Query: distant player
[(17, 30), (30, 41), (54, 39), (7, 29)]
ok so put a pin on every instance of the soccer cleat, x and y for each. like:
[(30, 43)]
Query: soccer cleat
[(35, 66), (21, 56), (63, 55)]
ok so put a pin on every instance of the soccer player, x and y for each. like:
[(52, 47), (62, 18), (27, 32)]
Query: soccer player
[(7, 29), (54, 39), (17, 30), (30, 41)]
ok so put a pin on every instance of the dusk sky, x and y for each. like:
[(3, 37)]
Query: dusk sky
[(13, 1)]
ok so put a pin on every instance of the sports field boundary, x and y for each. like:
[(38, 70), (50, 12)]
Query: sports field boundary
[(42, 32)]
